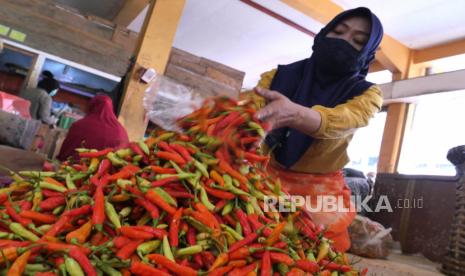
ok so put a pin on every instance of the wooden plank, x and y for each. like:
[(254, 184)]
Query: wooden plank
[(67, 35), (152, 52), (130, 11), (452, 48), (392, 137)]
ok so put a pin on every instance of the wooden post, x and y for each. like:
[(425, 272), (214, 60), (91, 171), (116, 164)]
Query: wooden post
[(153, 51), (392, 137)]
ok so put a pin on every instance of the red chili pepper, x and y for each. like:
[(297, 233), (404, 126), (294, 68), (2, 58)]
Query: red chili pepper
[(242, 271), (172, 266), (83, 210), (15, 216), (164, 181), (103, 167), (149, 206), (166, 147), (182, 151), (98, 215), (221, 271), (332, 266), (158, 200), (56, 246), (139, 268), (51, 203), (83, 262), (133, 233), (281, 258), (219, 194), (207, 258), (157, 232), (242, 218), (173, 156), (137, 150), (38, 217), (174, 228), (245, 241), (25, 205), (207, 214), (298, 272), (229, 170), (227, 120), (125, 173), (95, 154), (229, 220), (307, 266), (126, 251), (58, 226), (11, 243), (120, 241), (220, 204), (256, 225), (266, 269), (50, 193), (179, 194), (45, 274), (161, 170)]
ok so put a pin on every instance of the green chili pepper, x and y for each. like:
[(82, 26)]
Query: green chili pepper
[(115, 160), (167, 197), (44, 228), (201, 167), (311, 256), (148, 247), (58, 210), (231, 231), (69, 182), (293, 254), (165, 136), (62, 269), (197, 224), (143, 146), (191, 250), (257, 128), (256, 193), (6, 235), (108, 269), (227, 208), (334, 273), (78, 176), (112, 214), (166, 249), (143, 182), (283, 269), (37, 174), (122, 183), (182, 175), (255, 206), (244, 169), (19, 230), (204, 199), (46, 185), (249, 208), (137, 158), (32, 268), (239, 228), (122, 153), (202, 236), (125, 212)]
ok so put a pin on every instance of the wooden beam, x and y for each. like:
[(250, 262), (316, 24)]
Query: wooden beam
[(376, 67), (68, 35), (392, 54), (453, 48), (130, 10), (392, 138), (153, 51)]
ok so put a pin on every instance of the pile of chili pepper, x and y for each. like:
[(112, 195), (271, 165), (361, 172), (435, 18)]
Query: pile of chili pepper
[(173, 204)]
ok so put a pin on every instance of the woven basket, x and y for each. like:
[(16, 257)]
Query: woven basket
[(454, 261)]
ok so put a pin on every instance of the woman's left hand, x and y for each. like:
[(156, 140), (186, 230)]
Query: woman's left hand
[(282, 112)]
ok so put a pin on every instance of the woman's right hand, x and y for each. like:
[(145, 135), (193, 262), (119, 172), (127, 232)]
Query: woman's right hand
[(280, 112)]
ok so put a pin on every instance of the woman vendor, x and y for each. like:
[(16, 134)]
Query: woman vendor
[(315, 105)]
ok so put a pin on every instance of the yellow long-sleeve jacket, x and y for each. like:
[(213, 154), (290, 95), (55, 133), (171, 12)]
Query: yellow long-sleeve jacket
[(328, 152)]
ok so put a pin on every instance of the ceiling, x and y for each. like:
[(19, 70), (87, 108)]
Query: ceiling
[(107, 9), (235, 34)]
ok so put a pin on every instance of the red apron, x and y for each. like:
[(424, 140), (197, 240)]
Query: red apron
[(328, 184)]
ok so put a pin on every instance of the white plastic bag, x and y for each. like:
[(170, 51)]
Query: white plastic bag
[(369, 238), (166, 101)]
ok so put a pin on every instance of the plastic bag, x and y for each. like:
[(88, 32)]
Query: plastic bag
[(166, 101), (369, 238), (15, 105)]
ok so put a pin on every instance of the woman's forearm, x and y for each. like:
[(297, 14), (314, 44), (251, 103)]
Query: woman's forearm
[(306, 120)]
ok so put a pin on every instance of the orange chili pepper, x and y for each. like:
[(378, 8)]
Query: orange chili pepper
[(81, 234), (19, 265)]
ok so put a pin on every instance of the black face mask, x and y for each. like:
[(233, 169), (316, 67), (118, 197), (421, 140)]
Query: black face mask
[(336, 57)]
